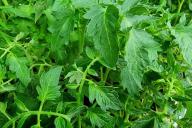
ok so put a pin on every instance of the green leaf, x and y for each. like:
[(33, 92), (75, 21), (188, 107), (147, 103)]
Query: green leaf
[(34, 126), (84, 3), (24, 11), (102, 28), (140, 53), (3, 107), (18, 65), (190, 5), (74, 76), (21, 105), (61, 123), (105, 97), (128, 4), (183, 36), (75, 110), (130, 20), (2, 73), (92, 72), (49, 89), (144, 123), (91, 53), (182, 20), (7, 88), (22, 121), (72, 86), (189, 109), (61, 23), (100, 118)]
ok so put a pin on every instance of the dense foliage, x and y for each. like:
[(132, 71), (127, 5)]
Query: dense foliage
[(96, 63)]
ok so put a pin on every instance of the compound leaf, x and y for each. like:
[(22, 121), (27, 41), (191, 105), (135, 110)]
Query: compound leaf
[(49, 89)]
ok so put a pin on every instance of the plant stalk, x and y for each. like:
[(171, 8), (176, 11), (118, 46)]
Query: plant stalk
[(80, 98), (106, 74), (39, 114), (179, 9)]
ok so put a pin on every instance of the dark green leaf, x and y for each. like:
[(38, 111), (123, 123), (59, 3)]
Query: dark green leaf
[(102, 28), (140, 53), (22, 121), (21, 105), (61, 23), (100, 118), (105, 97), (18, 65)]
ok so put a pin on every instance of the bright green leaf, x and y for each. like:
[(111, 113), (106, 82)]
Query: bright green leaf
[(72, 86), (61, 123), (74, 76), (49, 88)]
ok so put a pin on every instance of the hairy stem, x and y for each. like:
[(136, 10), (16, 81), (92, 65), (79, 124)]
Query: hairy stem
[(84, 79), (80, 96)]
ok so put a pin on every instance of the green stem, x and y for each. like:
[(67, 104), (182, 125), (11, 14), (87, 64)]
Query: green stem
[(34, 65), (80, 96), (79, 122), (11, 121), (39, 114), (179, 9), (84, 79), (168, 94), (5, 2), (6, 51), (106, 74), (180, 6), (101, 73), (7, 116), (4, 83), (81, 34)]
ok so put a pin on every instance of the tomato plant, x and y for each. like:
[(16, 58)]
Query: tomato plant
[(95, 63)]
